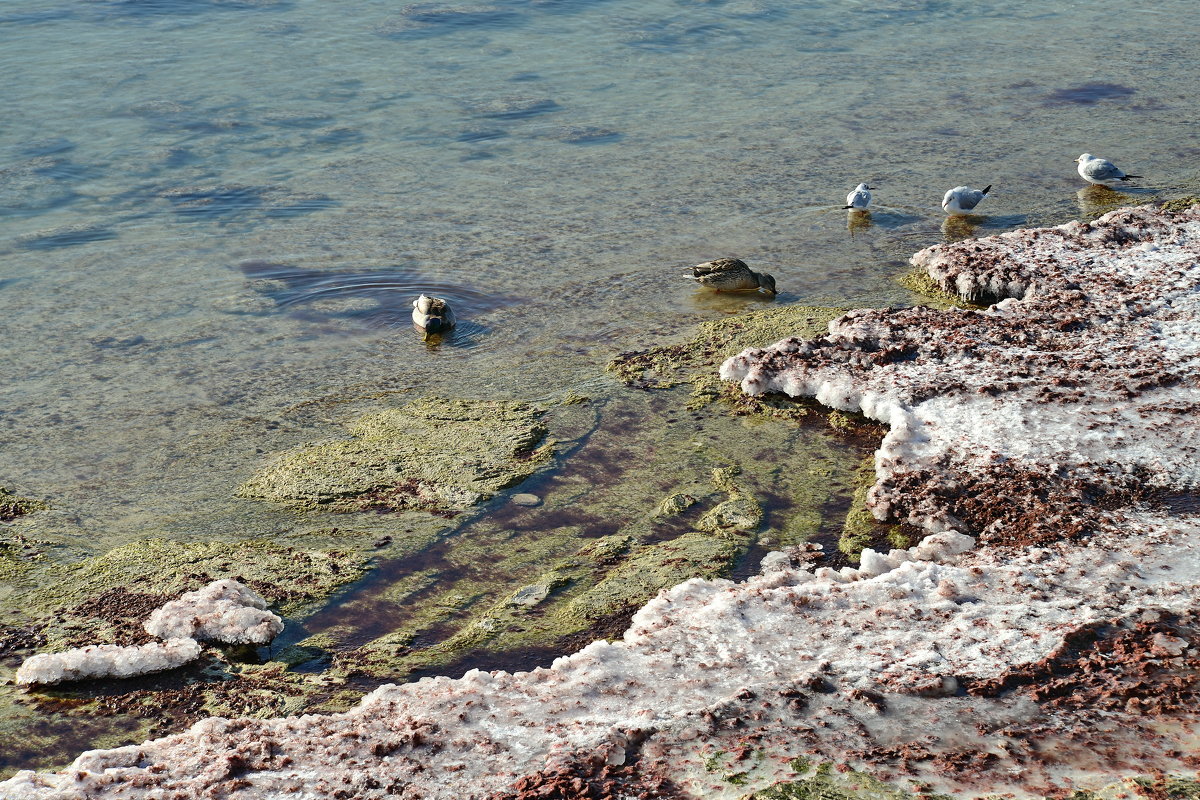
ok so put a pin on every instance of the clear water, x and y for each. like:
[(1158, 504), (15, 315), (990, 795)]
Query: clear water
[(214, 215)]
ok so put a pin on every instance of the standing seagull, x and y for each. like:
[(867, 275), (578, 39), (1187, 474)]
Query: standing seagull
[(963, 199), (1101, 171), (731, 275), (860, 198)]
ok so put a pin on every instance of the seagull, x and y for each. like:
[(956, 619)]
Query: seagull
[(860, 198), (1101, 171), (432, 314), (963, 199), (731, 275)]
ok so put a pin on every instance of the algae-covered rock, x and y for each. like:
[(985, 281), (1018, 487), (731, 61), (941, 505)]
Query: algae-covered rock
[(106, 598), (674, 503), (715, 340), (12, 506), (657, 567), (737, 513), (434, 454)]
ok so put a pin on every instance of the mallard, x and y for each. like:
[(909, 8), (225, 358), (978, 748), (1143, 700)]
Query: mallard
[(860, 198), (432, 314), (963, 199), (1094, 169), (731, 275)]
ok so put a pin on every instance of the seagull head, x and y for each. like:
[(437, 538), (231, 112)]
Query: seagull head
[(862, 187), (1084, 157)]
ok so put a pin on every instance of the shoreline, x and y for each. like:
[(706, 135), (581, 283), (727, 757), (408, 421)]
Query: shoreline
[(599, 715)]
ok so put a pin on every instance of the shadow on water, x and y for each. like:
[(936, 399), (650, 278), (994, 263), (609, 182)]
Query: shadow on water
[(1088, 94)]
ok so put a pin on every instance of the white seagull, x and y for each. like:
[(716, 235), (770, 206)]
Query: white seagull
[(860, 198), (1101, 171), (963, 199)]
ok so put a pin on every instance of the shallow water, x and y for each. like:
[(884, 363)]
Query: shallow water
[(214, 215)]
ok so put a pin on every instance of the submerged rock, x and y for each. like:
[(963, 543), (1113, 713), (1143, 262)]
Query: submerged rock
[(13, 506), (435, 454)]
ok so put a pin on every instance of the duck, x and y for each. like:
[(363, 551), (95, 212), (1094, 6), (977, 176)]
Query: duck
[(860, 198), (1103, 172), (964, 199), (432, 314), (731, 275)]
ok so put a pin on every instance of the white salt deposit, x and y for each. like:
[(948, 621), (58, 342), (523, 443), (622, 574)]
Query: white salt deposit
[(107, 661), (909, 667), (224, 611)]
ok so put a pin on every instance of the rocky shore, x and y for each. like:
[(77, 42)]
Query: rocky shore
[(1041, 640)]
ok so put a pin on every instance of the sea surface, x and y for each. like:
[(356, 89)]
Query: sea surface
[(214, 214)]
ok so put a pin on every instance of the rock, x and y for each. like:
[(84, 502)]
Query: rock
[(434, 454), (674, 504), (526, 499)]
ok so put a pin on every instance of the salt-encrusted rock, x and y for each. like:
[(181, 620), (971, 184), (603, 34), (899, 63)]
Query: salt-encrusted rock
[(1034, 419), (107, 661), (224, 611)]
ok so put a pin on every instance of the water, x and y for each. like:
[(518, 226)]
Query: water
[(215, 214)]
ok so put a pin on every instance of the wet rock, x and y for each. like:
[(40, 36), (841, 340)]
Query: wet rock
[(526, 499), (13, 506), (673, 504), (436, 455)]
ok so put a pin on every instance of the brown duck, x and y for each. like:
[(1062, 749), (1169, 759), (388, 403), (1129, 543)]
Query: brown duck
[(731, 275)]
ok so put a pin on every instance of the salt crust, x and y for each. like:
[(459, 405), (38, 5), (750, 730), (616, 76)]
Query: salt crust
[(224, 611), (1084, 376), (869, 654), (107, 661)]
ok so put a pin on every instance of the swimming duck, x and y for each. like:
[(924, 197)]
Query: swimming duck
[(1101, 171), (731, 275), (963, 199), (432, 314)]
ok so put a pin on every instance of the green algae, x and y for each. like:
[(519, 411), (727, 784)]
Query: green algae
[(930, 292), (695, 361), (104, 599), (1180, 203), (13, 506), (434, 454), (825, 783), (674, 504), (19, 555), (861, 529)]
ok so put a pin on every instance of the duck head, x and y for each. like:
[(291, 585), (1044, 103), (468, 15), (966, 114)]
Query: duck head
[(767, 284)]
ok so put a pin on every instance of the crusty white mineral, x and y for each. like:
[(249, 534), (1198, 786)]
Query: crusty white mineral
[(1025, 671), (224, 611), (107, 661)]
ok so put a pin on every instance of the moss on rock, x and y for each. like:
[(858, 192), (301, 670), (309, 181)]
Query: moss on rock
[(434, 454), (716, 340), (919, 283), (12, 506), (105, 599)]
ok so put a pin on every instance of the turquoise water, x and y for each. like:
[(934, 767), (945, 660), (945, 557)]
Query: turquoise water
[(214, 215)]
